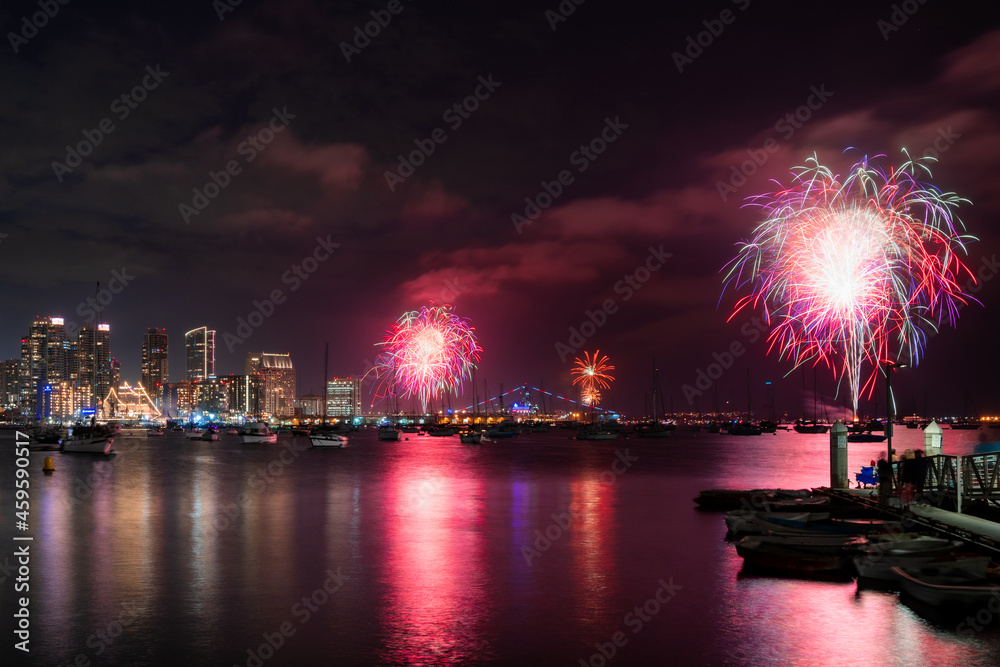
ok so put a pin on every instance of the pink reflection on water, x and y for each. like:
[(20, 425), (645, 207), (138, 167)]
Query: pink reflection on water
[(436, 606), (801, 621)]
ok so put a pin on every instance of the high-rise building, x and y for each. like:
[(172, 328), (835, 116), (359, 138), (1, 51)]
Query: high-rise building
[(199, 345), (246, 394), (93, 354), (211, 395), (10, 384), (178, 399), (311, 405), (343, 397), (278, 378), (155, 366), (43, 362)]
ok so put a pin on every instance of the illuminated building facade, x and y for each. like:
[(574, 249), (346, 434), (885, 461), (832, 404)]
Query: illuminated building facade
[(155, 364), (278, 377), (246, 394), (311, 405), (44, 362), (343, 397), (93, 355), (199, 345), (10, 384)]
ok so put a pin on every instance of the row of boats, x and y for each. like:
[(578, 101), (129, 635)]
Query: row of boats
[(798, 533)]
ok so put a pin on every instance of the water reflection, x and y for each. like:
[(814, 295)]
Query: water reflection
[(436, 606)]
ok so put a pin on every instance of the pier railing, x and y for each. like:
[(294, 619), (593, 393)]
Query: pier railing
[(979, 479)]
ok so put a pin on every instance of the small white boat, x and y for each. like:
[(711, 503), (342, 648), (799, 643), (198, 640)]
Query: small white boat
[(89, 440), (257, 434), (327, 439), (473, 438), (390, 433), (946, 589), (231, 431), (155, 432), (193, 434), (210, 434)]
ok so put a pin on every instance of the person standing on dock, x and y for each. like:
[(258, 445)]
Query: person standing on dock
[(884, 481), (919, 471)]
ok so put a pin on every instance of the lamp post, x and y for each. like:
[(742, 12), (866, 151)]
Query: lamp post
[(889, 416)]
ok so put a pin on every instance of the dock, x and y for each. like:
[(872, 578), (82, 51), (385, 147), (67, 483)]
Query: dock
[(983, 533)]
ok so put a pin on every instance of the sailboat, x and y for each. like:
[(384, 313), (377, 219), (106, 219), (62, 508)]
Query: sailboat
[(746, 427), (803, 426), (655, 428)]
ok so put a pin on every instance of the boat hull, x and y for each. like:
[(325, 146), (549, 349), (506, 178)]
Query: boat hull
[(327, 441), (270, 438), (88, 445)]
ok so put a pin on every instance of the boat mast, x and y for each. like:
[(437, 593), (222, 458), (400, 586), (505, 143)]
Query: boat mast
[(326, 368)]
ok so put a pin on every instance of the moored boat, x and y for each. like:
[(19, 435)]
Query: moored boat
[(156, 431), (389, 433), (258, 433), (595, 434), (949, 589), (473, 438), (94, 439), (745, 522), (795, 557), (327, 439)]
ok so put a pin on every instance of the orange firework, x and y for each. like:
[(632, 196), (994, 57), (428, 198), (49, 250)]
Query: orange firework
[(592, 375)]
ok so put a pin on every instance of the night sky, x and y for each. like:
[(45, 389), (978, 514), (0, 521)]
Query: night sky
[(300, 120)]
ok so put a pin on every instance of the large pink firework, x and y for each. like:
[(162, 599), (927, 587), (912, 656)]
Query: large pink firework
[(427, 353), (854, 271)]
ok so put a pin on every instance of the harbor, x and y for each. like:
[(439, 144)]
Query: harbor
[(183, 542)]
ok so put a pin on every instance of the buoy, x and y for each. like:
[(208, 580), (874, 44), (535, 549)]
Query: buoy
[(48, 466)]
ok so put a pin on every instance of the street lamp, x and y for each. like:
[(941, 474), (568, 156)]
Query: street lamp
[(889, 416)]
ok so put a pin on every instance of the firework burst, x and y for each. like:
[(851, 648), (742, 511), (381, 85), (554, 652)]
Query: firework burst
[(427, 353), (853, 271), (592, 376)]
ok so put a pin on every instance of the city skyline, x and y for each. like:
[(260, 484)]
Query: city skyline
[(567, 181)]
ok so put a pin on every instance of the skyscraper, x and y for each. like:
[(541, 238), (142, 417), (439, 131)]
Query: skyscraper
[(199, 345), (343, 397), (155, 366), (10, 377), (43, 362), (93, 354), (278, 378)]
